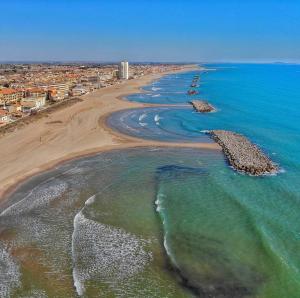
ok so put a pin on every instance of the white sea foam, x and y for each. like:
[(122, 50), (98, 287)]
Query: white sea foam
[(155, 88), (42, 219), (158, 201), (104, 253), (156, 95), (9, 273), (205, 131), (39, 196), (159, 208), (36, 294), (157, 118), (90, 200), (143, 124), (143, 116), (78, 281)]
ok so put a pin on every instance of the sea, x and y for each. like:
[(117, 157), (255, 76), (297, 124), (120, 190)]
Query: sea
[(168, 222)]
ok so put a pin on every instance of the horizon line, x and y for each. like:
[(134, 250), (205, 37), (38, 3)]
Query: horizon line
[(148, 62)]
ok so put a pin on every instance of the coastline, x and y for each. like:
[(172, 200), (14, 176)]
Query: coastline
[(76, 132)]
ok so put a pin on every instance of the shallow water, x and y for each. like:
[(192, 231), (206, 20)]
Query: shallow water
[(168, 222), (153, 123), (90, 227)]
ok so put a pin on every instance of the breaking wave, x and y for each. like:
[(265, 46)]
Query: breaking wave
[(39, 196), (157, 118), (155, 88), (104, 253), (143, 116)]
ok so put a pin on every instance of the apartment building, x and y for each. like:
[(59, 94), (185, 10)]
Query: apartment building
[(8, 95), (58, 91), (123, 70)]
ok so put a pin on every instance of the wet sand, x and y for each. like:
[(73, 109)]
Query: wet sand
[(72, 132)]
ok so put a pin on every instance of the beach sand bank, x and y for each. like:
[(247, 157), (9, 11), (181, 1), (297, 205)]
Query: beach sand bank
[(72, 132)]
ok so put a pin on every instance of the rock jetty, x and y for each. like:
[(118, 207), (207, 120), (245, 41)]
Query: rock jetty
[(242, 154), (202, 106), (192, 92)]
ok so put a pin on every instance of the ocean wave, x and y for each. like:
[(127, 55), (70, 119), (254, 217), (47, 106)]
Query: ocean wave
[(142, 117), (157, 118), (39, 196), (159, 208), (153, 149), (229, 285), (156, 95), (90, 200), (105, 253), (143, 124), (155, 88)]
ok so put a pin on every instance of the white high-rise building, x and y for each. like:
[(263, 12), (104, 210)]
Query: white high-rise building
[(124, 70)]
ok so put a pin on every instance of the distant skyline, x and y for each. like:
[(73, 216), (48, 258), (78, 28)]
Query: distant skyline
[(165, 30)]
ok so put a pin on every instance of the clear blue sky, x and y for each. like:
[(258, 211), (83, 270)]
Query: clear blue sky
[(154, 30)]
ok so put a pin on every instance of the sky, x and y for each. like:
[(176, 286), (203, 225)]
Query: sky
[(152, 30)]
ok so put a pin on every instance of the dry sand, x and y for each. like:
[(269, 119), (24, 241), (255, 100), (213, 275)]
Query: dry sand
[(71, 132)]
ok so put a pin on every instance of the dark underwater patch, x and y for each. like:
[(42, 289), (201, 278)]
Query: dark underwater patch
[(175, 171)]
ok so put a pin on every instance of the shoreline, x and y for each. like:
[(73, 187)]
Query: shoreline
[(76, 132)]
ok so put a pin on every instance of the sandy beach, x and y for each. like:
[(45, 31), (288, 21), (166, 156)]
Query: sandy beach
[(74, 131)]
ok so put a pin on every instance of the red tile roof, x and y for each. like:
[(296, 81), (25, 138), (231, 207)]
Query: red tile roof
[(36, 90), (3, 112), (8, 91)]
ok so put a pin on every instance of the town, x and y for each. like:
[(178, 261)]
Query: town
[(26, 89)]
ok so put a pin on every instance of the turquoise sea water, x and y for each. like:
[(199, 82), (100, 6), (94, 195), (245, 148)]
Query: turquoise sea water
[(261, 222), (153, 222)]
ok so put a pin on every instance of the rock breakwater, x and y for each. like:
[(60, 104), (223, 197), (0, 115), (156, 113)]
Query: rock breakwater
[(243, 155), (202, 106)]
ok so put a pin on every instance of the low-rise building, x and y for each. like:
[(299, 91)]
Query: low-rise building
[(30, 103), (8, 95), (36, 92), (4, 117), (61, 90), (78, 90)]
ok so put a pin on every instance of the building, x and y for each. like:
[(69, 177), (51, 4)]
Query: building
[(52, 94), (36, 93), (115, 74), (123, 70), (78, 90), (59, 91), (9, 95), (4, 117), (34, 103)]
